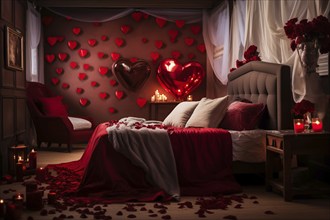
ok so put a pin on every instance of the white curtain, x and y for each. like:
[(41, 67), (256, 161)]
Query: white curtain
[(33, 33)]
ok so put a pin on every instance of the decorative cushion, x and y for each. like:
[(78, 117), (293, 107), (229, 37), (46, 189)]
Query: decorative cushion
[(208, 113), (242, 116), (180, 114), (80, 123), (53, 106)]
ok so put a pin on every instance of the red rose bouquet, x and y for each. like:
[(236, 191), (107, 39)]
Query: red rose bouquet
[(306, 31), (251, 54), (302, 108)]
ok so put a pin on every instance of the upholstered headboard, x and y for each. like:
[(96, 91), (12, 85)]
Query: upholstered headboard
[(268, 83)]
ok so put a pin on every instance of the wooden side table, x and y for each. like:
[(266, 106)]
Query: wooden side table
[(159, 110), (285, 144)]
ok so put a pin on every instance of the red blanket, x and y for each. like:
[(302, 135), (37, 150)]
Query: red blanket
[(203, 158)]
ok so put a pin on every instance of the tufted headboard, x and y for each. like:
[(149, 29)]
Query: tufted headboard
[(268, 83)]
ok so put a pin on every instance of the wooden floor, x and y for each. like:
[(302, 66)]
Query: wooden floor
[(265, 205)]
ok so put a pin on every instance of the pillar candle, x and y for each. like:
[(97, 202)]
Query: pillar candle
[(317, 125), (34, 200), (298, 125), (19, 171), (13, 211), (41, 174), (52, 196), (2, 208), (31, 186), (33, 159)]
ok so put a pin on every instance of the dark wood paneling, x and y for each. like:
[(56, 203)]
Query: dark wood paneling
[(7, 10), (8, 78), (20, 115), (8, 123), (20, 80), (19, 14)]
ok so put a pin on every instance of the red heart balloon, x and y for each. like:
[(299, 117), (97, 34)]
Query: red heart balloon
[(92, 42), (83, 101), (76, 30), (51, 40), (131, 75), (83, 52), (180, 80), (141, 102), (119, 42), (115, 56), (103, 70), (59, 71), (72, 44), (119, 94), (50, 58)]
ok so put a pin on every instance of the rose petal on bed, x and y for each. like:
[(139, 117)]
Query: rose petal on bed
[(83, 215), (238, 206), (143, 209), (43, 212), (268, 212), (255, 202), (131, 216), (162, 211), (166, 217), (119, 213), (253, 197), (232, 217)]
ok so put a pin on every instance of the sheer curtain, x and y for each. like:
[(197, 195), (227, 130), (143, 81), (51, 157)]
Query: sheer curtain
[(33, 33)]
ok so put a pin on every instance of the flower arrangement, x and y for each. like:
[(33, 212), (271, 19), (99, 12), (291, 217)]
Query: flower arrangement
[(302, 108), (251, 54), (317, 30)]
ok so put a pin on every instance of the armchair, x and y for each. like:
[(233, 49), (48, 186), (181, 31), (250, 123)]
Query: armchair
[(56, 126)]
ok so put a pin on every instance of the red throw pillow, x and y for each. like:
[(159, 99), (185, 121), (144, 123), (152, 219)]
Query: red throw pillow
[(242, 116), (53, 106)]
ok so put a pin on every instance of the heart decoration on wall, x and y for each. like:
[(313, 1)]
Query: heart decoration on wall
[(50, 58), (47, 20), (115, 56), (103, 70), (101, 55), (119, 94), (104, 37), (201, 48), (112, 110), (55, 81), (60, 38), (180, 23), (119, 42), (159, 44), (113, 82), (51, 40), (72, 44), (160, 22), (83, 52), (86, 66), (173, 35), (176, 54), (131, 75), (62, 56), (137, 16), (65, 85), (141, 102), (79, 90), (59, 71), (92, 42), (125, 29), (180, 80), (195, 29), (191, 56), (73, 65), (76, 30), (133, 59), (189, 41), (154, 56), (103, 95), (94, 84), (83, 101), (82, 76)]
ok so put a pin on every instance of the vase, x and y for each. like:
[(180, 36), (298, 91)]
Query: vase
[(309, 55)]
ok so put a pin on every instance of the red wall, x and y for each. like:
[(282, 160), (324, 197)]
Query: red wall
[(61, 29)]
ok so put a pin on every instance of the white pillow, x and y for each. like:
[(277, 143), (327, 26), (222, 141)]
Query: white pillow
[(180, 114), (208, 113), (80, 123)]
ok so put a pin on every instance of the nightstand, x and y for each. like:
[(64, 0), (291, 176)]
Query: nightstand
[(159, 110), (284, 146)]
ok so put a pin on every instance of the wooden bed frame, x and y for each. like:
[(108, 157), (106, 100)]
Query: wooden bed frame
[(268, 83)]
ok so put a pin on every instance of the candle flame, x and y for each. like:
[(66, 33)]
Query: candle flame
[(1, 201)]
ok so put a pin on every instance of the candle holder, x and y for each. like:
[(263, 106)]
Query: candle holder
[(298, 125), (317, 125), (16, 152)]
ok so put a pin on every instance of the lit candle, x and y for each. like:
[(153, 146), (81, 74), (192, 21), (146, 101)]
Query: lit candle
[(2, 208), (52, 198), (298, 125), (40, 174), (33, 159), (317, 125), (153, 98), (18, 199), (189, 98), (34, 200)]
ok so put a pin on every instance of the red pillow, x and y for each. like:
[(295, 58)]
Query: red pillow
[(242, 116), (53, 106)]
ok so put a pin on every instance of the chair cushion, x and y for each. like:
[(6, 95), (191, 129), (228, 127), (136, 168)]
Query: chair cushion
[(80, 123), (53, 106)]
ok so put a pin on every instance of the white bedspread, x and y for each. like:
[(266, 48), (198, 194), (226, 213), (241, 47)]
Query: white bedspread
[(148, 148)]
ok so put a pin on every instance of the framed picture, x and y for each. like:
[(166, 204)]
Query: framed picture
[(14, 49)]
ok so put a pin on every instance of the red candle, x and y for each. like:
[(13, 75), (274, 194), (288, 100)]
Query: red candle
[(31, 186), (13, 211), (34, 200), (33, 159), (2, 208), (18, 199), (19, 171), (52, 198), (298, 125), (41, 174), (317, 125)]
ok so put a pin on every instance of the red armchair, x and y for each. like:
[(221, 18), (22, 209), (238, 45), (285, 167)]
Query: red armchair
[(53, 128)]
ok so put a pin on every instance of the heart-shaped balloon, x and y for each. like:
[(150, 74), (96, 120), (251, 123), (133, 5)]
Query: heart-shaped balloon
[(131, 75), (180, 80)]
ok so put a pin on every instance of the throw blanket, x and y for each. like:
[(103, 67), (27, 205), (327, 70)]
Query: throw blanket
[(148, 146)]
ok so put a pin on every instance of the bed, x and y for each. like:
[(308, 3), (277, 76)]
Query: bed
[(203, 157)]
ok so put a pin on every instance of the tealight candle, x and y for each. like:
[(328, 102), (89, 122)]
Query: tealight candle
[(189, 98), (298, 125), (33, 159), (52, 198), (2, 208), (317, 125), (18, 199)]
